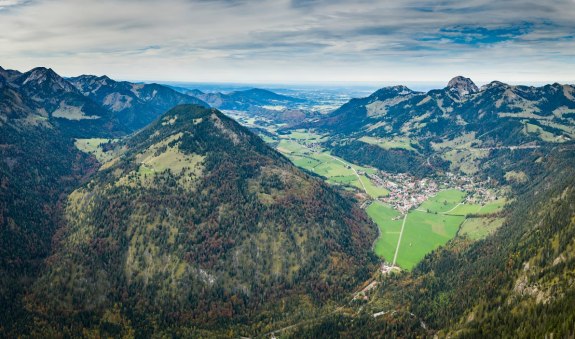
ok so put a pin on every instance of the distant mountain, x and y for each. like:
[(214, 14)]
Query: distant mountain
[(43, 97), (462, 86), (200, 223), (87, 106), (457, 118), (134, 105), (258, 103), (247, 100)]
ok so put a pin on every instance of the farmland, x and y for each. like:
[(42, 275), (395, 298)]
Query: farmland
[(431, 225), (302, 149), (465, 209), (479, 228), (423, 233), (444, 201)]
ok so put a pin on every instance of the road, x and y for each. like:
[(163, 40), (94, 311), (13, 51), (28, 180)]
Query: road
[(343, 162), (446, 212), (354, 171), (399, 240)]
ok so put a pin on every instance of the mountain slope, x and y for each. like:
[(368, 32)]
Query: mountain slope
[(200, 222), (458, 108), (135, 105), (39, 165)]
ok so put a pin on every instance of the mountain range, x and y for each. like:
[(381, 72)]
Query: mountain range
[(443, 127), (177, 221), (259, 103), (135, 105)]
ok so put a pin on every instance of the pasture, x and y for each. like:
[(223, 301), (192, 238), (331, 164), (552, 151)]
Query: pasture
[(479, 228), (442, 202), (488, 208)]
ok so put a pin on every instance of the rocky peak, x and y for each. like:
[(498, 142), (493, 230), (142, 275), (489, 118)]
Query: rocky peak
[(493, 84), (42, 76), (462, 86), (392, 91)]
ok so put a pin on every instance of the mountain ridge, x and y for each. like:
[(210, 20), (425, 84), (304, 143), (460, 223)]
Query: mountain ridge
[(498, 115), (135, 105)]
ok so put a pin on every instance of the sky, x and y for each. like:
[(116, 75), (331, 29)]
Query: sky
[(293, 41)]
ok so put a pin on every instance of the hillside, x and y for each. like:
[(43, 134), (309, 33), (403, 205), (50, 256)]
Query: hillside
[(200, 223), (39, 165)]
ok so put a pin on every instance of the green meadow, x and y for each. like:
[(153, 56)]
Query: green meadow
[(443, 202), (425, 229), (336, 170), (479, 228)]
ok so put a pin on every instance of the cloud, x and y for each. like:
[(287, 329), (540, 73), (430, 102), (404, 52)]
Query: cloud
[(7, 4), (478, 35), (292, 40)]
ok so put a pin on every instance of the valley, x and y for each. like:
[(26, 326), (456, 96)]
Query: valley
[(435, 207), (270, 219), (287, 169)]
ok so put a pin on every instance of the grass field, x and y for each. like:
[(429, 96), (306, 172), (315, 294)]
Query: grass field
[(465, 209), (372, 190), (426, 228), (336, 170), (423, 233), (92, 146), (479, 228), (433, 224), (444, 201), (389, 229), (398, 143)]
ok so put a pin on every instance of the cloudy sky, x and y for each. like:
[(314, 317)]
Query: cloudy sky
[(277, 41)]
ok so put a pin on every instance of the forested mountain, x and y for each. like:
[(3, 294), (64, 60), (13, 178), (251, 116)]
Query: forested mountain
[(134, 105), (40, 114), (38, 166), (198, 223)]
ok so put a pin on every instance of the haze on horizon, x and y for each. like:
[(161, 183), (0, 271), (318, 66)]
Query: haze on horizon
[(293, 41)]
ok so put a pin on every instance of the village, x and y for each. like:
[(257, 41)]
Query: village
[(407, 192)]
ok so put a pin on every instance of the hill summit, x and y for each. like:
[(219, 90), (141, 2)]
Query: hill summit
[(462, 86), (198, 218)]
